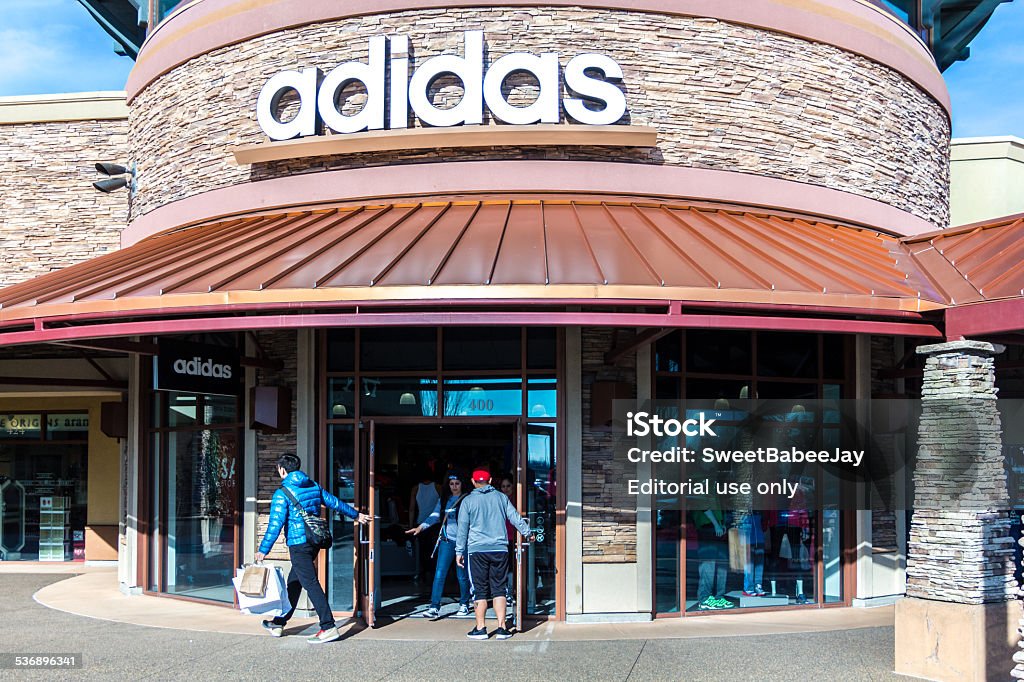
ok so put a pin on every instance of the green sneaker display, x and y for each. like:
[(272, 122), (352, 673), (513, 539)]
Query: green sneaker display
[(723, 603), (709, 604)]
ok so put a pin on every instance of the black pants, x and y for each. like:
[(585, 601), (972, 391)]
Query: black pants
[(303, 575)]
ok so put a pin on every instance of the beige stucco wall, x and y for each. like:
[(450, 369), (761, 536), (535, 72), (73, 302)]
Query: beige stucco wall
[(986, 179), (50, 215), (722, 96)]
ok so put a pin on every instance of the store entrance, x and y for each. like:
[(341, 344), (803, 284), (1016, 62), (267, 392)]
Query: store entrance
[(412, 464)]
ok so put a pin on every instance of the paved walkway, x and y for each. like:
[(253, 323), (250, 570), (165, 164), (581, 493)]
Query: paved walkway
[(130, 651), (95, 594)]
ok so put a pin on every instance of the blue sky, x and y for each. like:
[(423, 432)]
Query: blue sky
[(51, 46), (988, 88)]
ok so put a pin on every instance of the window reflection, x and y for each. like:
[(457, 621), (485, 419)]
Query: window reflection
[(490, 396)]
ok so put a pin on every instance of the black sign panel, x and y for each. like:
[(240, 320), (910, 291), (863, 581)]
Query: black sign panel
[(196, 368)]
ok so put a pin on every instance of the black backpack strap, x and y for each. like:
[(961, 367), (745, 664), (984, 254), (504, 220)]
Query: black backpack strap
[(295, 501)]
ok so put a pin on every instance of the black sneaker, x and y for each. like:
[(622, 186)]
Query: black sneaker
[(502, 633), (477, 633), (275, 629)]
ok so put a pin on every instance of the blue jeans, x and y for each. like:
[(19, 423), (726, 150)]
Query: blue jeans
[(753, 565), (445, 557)]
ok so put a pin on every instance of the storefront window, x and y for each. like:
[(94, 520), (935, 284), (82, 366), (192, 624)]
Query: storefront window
[(341, 465), (736, 556), (386, 349), (195, 469), (541, 396), (540, 348), (668, 529), (341, 403), (384, 396), (483, 397), (476, 348), (43, 472)]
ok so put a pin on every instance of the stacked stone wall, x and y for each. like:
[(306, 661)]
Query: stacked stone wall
[(277, 345), (609, 512), (960, 549), (50, 214), (722, 96)]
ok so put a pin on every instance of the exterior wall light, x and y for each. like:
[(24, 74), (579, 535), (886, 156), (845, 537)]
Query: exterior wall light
[(119, 176)]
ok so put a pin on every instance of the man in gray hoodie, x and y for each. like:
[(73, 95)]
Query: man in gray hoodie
[(482, 536)]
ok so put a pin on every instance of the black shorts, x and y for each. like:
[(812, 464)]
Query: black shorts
[(487, 574)]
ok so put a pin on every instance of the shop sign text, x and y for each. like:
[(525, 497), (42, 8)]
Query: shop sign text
[(391, 92)]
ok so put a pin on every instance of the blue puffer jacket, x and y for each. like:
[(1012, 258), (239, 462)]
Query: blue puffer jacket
[(282, 509)]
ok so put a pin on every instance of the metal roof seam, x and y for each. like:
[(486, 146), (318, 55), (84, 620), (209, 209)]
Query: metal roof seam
[(378, 212), (586, 241), (545, 246), (675, 247), (792, 272), (253, 244), (185, 244), (643, 259), (323, 224), (426, 228), (224, 248), (497, 249), (477, 206), (97, 266), (804, 232), (711, 244), (366, 247), (821, 251)]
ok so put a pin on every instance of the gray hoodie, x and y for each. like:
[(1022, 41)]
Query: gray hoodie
[(482, 522)]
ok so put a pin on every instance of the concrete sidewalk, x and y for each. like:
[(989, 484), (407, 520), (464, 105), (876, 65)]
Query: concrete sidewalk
[(112, 650), (96, 595)]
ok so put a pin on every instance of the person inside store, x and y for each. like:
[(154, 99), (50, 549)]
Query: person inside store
[(299, 494), (423, 498), (483, 544), (446, 512)]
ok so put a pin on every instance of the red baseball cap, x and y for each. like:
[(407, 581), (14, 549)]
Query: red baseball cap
[(481, 475)]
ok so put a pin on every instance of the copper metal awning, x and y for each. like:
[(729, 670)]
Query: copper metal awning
[(482, 248), (979, 269), (977, 262)]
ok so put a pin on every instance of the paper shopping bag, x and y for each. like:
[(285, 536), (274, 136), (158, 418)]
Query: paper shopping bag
[(738, 550), (254, 581), (273, 603)]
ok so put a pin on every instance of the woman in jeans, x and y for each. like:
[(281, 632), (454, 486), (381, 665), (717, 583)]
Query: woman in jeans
[(447, 513)]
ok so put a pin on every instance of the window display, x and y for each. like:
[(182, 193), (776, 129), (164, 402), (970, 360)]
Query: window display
[(43, 471), (720, 552)]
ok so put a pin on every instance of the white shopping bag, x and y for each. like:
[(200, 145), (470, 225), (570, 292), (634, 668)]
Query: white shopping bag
[(273, 603)]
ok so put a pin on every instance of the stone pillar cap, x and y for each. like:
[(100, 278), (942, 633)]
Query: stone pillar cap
[(961, 346)]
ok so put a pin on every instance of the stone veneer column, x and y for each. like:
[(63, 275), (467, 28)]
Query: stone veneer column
[(957, 622)]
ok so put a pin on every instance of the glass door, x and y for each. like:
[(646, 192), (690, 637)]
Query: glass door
[(368, 533), (537, 502)]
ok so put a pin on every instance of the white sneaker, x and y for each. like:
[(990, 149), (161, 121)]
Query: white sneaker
[(432, 612), (463, 610), (325, 636)]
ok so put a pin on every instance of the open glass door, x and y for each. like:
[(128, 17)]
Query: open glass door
[(537, 504), (368, 532), (519, 567)]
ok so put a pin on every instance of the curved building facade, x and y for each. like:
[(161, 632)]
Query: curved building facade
[(404, 238)]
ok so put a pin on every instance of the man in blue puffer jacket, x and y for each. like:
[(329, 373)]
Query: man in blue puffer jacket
[(283, 514)]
